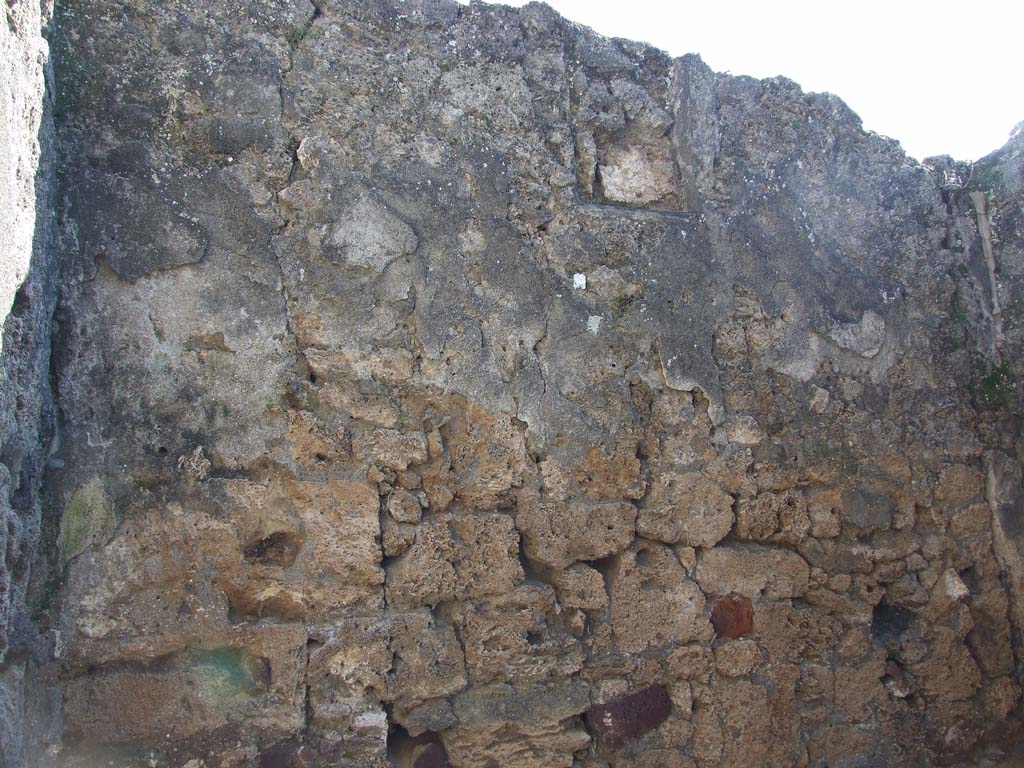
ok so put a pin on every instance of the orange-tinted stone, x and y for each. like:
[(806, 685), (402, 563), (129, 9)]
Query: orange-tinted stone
[(733, 617)]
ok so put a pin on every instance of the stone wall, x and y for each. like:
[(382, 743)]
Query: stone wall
[(28, 289), (451, 385)]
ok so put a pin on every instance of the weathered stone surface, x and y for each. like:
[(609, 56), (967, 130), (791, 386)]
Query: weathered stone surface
[(752, 571), (866, 508), (687, 509), (484, 458), (390, 448), (255, 678), (425, 575), (529, 726), (349, 661), (736, 728), (653, 602), (404, 507), (29, 278), (580, 586), (428, 375), (306, 547), (559, 534), (369, 235), (435, 715), (470, 556), (777, 517), (1004, 491), (737, 659), (516, 638)]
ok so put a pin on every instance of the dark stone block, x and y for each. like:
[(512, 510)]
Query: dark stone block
[(733, 617), (431, 756), (132, 223), (629, 716), (889, 622), (286, 754), (867, 509), (279, 548)]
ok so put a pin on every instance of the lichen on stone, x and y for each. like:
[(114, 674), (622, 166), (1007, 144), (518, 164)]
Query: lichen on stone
[(88, 520)]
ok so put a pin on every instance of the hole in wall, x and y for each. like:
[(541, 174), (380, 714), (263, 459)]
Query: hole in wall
[(278, 548), (890, 622)]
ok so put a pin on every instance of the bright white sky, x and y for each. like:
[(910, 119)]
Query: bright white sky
[(941, 77)]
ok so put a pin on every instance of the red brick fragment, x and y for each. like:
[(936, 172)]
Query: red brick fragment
[(733, 617)]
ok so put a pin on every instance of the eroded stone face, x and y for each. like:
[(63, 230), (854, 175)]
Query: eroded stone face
[(448, 385), (653, 603), (250, 675), (753, 571), (559, 534), (688, 509)]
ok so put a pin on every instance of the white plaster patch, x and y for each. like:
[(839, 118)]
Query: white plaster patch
[(744, 430), (819, 400), (955, 588), (594, 323), (637, 176), (799, 358), (370, 721), (579, 281), (369, 235)]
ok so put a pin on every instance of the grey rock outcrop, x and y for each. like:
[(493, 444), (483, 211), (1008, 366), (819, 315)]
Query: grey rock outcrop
[(448, 385), (28, 294)]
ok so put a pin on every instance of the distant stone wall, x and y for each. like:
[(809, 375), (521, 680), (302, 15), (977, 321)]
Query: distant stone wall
[(28, 288), (449, 385)]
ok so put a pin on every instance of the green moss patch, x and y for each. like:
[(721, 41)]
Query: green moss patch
[(88, 519), (224, 673), (295, 36), (995, 390)]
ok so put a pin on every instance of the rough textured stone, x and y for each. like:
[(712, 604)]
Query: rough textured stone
[(29, 279), (867, 509), (424, 376), (256, 678), (558, 535), (653, 602), (687, 509), (580, 586), (752, 571), (515, 638), (532, 726), (737, 659), (778, 517)]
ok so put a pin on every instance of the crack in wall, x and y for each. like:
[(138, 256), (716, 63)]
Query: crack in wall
[(979, 199)]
